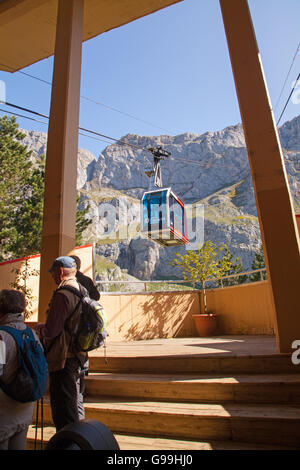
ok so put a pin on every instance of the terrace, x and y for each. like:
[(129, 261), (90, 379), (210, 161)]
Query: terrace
[(159, 385)]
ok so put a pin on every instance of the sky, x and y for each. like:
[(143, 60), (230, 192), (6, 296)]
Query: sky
[(169, 73)]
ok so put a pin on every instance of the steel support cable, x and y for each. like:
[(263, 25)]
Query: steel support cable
[(91, 137), (290, 95), (91, 100), (27, 110), (22, 116), (46, 124), (297, 50), (95, 133)]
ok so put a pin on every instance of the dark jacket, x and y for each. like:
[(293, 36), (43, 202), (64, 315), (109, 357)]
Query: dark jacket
[(56, 333), (87, 282)]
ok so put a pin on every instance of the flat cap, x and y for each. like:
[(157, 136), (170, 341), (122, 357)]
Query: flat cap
[(63, 262)]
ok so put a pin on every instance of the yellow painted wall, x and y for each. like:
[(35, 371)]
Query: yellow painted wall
[(8, 272), (245, 309), (148, 316)]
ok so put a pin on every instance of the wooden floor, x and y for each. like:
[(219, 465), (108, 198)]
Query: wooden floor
[(138, 443), (216, 346), (222, 392)]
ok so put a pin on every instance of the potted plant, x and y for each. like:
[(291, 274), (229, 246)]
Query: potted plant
[(201, 266)]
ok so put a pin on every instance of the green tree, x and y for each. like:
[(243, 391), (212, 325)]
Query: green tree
[(15, 171), (258, 263), (203, 265), (27, 219), (82, 221), (22, 196), (236, 267)]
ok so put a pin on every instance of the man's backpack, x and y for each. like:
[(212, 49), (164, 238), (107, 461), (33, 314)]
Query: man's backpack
[(90, 332), (30, 381)]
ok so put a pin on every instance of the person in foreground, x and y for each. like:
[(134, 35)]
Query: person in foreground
[(66, 369), (15, 417)]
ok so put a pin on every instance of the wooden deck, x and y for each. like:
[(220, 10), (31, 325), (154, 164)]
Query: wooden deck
[(213, 346), (225, 392)]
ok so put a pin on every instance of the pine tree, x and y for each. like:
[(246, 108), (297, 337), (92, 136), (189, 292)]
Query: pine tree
[(28, 215), (22, 196), (236, 267), (258, 263), (15, 171), (82, 221)]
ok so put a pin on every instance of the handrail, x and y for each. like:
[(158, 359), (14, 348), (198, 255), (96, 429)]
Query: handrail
[(243, 274), (182, 281)]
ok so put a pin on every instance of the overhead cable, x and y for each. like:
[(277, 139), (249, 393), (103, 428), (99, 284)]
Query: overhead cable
[(91, 100), (287, 102), (94, 133), (297, 50)]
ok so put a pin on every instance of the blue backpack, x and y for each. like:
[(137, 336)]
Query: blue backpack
[(30, 382)]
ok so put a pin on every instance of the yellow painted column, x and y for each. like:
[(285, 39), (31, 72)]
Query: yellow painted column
[(273, 199), (58, 236)]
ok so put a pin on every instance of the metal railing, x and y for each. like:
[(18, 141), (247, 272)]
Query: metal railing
[(247, 273), (187, 284)]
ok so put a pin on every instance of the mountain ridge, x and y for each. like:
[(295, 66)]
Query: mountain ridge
[(220, 179)]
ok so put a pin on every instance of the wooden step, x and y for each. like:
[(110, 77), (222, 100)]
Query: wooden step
[(189, 364), (263, 388), (264, 424), (127, 442)]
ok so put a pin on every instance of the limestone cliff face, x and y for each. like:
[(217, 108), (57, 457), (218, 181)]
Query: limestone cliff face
[(220, 179), (220, 158), (37, 143)]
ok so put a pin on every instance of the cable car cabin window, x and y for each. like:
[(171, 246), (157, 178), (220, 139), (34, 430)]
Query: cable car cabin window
[(155, 211), (176, 216)]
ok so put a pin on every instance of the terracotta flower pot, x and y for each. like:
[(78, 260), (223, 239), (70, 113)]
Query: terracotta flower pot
[(206, 324)]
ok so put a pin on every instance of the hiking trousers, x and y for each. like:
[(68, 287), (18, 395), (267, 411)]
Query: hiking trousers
[(66, 388)]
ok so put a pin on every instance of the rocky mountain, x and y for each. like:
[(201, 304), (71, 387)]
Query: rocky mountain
[(208, 169), (37, 143)]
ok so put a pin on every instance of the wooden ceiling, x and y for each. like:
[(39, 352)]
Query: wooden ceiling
[(27, 27)]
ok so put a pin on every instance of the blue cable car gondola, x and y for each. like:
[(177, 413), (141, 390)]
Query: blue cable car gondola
[(163, 216)]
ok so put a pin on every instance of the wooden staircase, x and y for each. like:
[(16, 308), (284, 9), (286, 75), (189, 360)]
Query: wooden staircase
[(194, 402)]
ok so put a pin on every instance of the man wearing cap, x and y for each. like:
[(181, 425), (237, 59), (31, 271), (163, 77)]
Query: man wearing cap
[(66, 369)]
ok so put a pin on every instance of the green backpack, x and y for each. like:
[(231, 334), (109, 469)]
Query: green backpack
[(90, 332)]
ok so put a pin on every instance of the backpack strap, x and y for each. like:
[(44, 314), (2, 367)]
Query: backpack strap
[(79, 293), (14, 331), (9, 329), (17, 334)]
